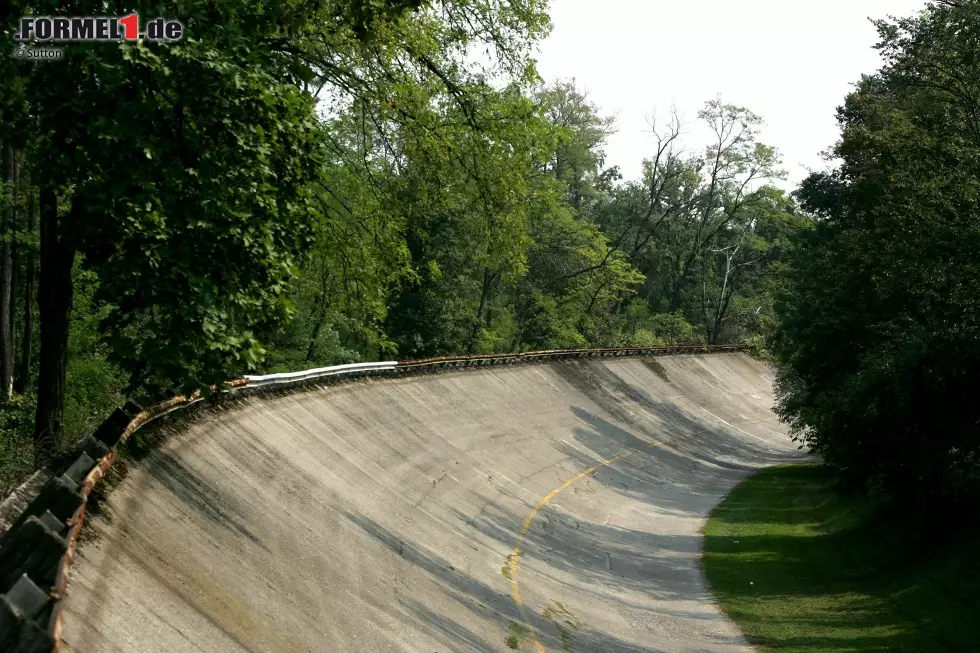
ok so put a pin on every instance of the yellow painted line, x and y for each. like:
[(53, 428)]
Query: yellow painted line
[(515, 557)]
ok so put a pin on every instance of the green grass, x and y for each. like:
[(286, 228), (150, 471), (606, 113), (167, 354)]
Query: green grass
[(801, 568), (517, 635)]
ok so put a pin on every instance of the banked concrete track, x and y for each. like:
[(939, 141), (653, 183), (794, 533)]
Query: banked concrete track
[(558, 503)]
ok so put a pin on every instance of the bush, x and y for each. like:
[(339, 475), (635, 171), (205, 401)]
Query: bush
[(16, 449)]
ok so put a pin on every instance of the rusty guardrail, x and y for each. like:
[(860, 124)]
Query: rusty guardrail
[(37, 551)]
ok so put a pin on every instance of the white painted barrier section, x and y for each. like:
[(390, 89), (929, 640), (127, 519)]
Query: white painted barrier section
[(335, 370)]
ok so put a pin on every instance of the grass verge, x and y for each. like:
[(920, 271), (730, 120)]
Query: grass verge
[(801, 568)]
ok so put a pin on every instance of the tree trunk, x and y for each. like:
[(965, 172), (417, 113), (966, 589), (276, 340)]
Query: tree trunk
[(321, 318), (12, 323), (725, 294), (520, 310), (54, 309), (321, 313), (705, 319), (15, 254), (6, 277), (515, 345), (478, 322), (681, 281), (311, 350), (27, 342)]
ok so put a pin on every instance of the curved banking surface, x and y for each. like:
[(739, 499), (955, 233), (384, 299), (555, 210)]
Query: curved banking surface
[(551, 507)]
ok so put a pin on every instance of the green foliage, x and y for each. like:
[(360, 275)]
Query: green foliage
[(94, 385), (94, 388), (467, 199), (672, 329), (16, 444), (879, 349), (196, 249), (517, 635), (706, 230), (365, 16), (580, 132)]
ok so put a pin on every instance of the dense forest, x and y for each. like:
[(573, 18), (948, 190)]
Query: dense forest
[(296, 184)]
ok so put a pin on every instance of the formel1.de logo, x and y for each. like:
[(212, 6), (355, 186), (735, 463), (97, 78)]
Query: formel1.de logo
[(74, 29)]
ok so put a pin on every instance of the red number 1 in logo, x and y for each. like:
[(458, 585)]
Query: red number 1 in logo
[(132, 25)]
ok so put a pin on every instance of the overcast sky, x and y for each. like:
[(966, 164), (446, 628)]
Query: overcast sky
[(788, 60)]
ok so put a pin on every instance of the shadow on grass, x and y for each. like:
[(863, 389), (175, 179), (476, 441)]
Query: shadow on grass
[(800, 567)]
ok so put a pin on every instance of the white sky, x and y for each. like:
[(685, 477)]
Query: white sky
[(791, 61)]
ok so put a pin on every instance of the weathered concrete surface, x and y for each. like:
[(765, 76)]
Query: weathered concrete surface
[(379, 516)]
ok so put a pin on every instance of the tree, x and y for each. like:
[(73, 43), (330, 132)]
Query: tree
[(694, 224), (7, 230), (147, 149), (574, 278), (29, 248), (730, 167), (878, 350), (740, 272), (574, 275), (465, 195), (581, 131)]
